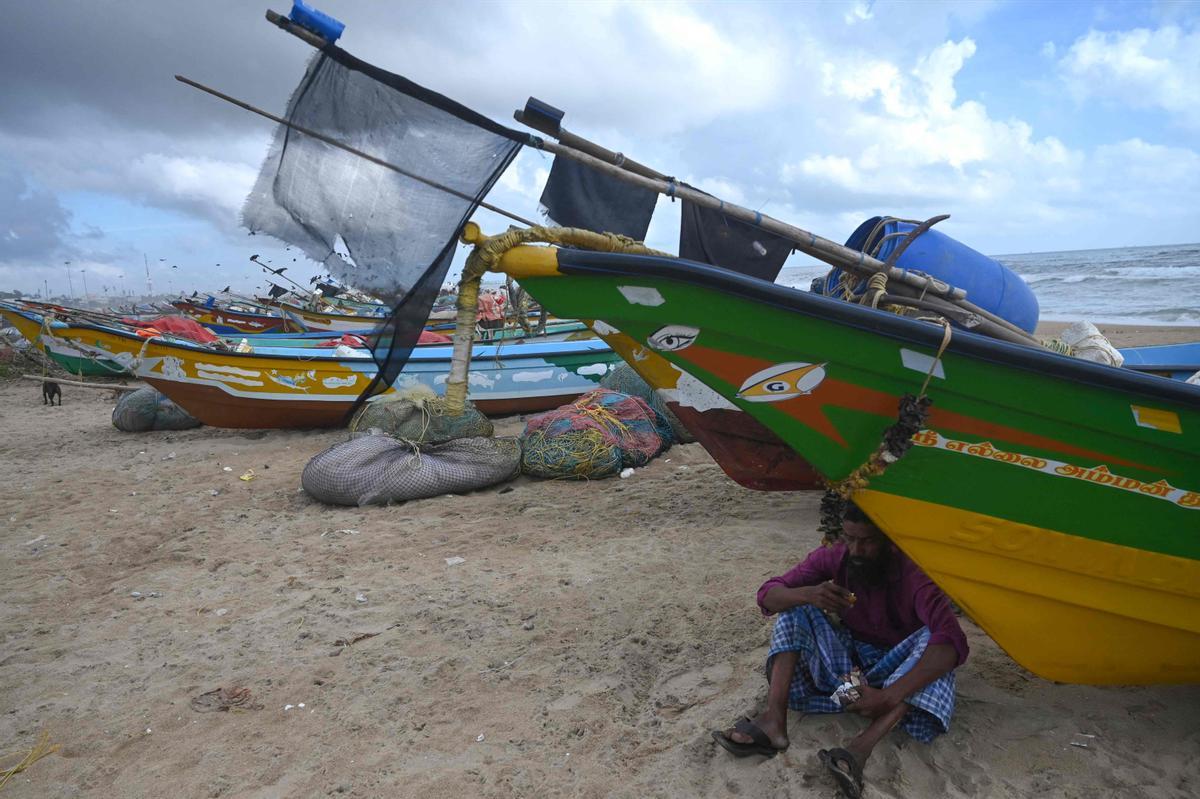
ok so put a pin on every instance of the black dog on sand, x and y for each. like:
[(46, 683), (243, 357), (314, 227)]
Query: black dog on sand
[(50, 390)]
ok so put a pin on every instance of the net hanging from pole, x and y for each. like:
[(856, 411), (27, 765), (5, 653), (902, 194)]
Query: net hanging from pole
[(385, 232)]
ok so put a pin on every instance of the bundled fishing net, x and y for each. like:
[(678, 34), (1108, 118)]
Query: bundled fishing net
[(626, 380), (375, 469), (593, 437), (146, 409), (420, 416)]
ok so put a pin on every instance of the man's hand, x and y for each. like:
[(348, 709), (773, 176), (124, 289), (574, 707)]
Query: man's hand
[(873, 702), (829, 596)]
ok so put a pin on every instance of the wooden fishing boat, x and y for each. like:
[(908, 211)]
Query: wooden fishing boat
[(77, 361), (1056, 500), (1177, 361), (229, 321), (330, 322), (304, 387)]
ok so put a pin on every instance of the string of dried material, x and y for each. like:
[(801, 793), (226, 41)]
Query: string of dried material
[(42, 748), (897, 440)]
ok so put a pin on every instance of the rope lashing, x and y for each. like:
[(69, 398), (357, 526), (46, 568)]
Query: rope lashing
[(876, 288), (485, 256)]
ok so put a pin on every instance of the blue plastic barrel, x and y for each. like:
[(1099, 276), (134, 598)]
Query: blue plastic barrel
[(989, 284), (316, 21)]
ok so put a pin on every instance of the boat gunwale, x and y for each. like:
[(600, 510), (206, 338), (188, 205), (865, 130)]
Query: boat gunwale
[(511, 351), (964, 342)]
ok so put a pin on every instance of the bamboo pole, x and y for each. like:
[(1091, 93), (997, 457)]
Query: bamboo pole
[(105, 386)]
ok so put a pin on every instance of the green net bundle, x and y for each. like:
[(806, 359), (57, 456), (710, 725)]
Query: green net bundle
[(420, 416), (593, 437)]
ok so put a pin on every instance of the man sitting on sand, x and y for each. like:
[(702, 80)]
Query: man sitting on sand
[(895, 625)]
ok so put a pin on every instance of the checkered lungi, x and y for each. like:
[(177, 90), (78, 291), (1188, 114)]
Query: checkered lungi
[(827, 653)]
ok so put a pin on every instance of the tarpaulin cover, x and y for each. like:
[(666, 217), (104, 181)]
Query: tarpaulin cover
[(579, 196), (385, 232), (178, 326)]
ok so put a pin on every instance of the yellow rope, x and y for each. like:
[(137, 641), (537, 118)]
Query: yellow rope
[(487, 254), (937, 358), (876, 286), (881, 458), (42, 748)]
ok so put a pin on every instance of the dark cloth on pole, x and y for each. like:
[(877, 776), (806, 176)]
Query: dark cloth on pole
[(710, 236), (579, 196), (371, 227)]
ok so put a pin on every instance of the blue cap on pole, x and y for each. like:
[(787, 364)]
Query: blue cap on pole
[(316, 21)]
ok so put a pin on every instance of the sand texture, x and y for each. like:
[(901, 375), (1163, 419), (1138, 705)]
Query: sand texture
[(586, 645)]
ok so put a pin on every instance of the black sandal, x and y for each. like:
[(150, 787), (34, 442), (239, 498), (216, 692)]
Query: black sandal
[(761, 742), (849, 780)]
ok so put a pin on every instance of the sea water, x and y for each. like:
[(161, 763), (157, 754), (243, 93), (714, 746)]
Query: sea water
[(1157, 285)]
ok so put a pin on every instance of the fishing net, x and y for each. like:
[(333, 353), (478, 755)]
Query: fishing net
[(146, 409), (387, 231), (593, 437), (375, 469), (625, 380), (420, 417)]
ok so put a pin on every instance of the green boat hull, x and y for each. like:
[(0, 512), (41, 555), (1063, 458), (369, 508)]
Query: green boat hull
[(1034, 469)]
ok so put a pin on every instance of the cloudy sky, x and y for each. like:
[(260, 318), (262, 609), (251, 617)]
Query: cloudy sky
[(1037, 126)]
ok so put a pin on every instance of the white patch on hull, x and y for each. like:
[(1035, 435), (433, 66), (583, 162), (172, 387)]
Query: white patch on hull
[(340, 382), (691, 393), (228, 370), (603, 328), (480, 379), (222, 378), (593, 369), (641, 295), (920, 362), (533, 377)]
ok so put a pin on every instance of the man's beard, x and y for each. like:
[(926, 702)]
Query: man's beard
[(868, 571)]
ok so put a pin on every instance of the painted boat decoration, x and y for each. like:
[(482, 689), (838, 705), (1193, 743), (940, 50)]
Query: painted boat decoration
[(299, 387), (1056, 500), (749, 453)]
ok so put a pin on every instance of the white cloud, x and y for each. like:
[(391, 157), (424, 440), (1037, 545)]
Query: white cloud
[(220, 185), (645, 67), (1140, 68), (859, 12)]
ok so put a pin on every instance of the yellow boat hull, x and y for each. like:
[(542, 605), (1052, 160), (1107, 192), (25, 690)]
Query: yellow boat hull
[(1068, 608)]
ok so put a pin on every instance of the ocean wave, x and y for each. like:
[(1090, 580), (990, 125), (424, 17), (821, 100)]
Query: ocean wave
[(1189, 318)]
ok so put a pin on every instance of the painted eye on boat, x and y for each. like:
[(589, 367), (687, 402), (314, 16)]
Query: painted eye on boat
[(673, 337), (782, 382)]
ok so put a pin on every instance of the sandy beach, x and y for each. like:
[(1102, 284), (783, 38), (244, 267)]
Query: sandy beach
[(588, 641)]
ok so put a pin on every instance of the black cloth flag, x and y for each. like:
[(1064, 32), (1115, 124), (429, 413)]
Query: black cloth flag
[(579, 196), (710, 236)]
